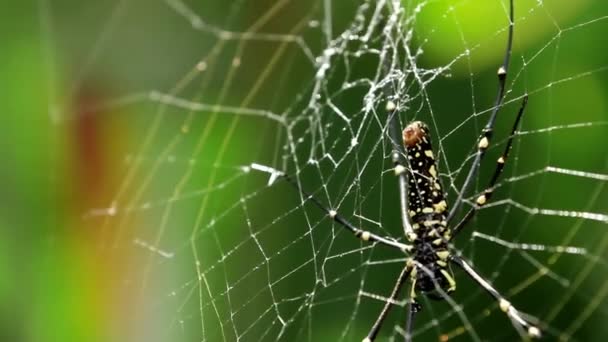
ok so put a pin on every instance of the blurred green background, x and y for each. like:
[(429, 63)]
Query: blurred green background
[(127, 216)]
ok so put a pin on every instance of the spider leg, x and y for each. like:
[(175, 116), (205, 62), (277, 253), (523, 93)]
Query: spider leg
[(397, 156), (521, 323), (486, 134), (413, 309), (394, 132), (333, 214), (405, 273), (500, 165)]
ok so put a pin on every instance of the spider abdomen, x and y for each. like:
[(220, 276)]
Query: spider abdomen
[(426, 202), (427, 212)]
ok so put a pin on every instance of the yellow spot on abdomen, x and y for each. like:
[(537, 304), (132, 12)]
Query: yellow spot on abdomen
[(440, 207), (432, 171)]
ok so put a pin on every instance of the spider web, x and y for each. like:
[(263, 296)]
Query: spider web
[(209, 96)]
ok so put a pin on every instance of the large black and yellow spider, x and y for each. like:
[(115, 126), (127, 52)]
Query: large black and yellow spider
[(424, 210)]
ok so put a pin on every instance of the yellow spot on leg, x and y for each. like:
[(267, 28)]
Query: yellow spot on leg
[(534, 332), (399, 169), (450, 280), (365, 236), (502, 72), (413, 291), (504, 304), (481, 200), (483, 143)]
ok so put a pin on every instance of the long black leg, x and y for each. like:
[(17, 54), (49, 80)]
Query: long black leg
[(407, 270), (395, 137), (360, 233), (413, 309), (400, 170), (500, 165), (521, 323), (486, 135)]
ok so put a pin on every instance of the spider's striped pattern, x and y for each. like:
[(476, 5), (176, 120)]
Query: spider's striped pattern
[(427, 211), (427, 222)]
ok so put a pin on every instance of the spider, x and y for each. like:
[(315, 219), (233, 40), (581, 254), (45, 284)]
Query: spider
[(426, 221)]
